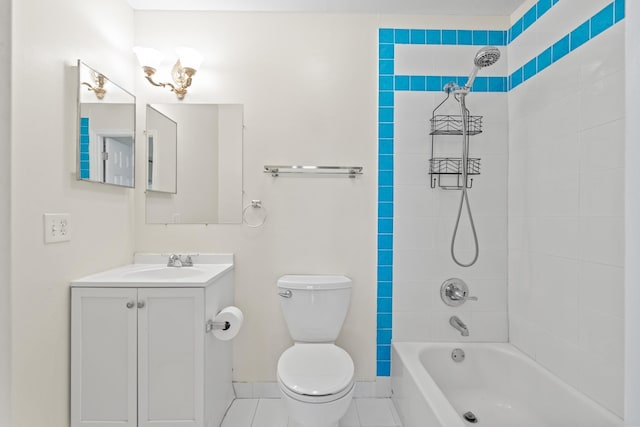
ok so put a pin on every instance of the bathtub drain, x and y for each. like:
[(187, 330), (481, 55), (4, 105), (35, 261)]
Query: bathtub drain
[(458, 355), (470, 417)]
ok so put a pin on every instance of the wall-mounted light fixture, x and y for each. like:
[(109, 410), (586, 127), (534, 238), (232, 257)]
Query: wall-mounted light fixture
[(189, 61), (98, 84)]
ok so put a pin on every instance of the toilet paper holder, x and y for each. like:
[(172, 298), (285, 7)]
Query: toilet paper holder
[(211, 325)]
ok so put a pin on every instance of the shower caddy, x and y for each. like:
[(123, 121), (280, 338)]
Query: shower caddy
[(451, 167)]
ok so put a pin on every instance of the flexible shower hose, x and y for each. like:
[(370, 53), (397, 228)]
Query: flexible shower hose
[(464, 197)]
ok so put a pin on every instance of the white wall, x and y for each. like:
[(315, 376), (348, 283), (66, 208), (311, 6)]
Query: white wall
[(566, 205), (48, 38), (424, 218), (632, 217), (5, 226), (308, 84)]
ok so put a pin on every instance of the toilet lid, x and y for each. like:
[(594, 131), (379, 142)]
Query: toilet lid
[(315, 369)]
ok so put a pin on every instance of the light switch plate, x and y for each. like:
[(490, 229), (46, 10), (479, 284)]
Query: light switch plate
[(57, 227)]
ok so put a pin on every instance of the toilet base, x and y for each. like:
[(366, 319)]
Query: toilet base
[(306, 414)]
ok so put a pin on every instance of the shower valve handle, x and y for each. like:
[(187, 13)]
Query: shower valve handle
[(461, 296), (454, 292), (470, 298)]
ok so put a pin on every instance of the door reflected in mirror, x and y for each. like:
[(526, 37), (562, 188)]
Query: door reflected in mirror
[(208, 164), (162, 151), (106, 129)]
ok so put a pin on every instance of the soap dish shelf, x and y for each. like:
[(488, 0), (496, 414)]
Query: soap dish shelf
[(447, 124), (448, 172), (451, 167)]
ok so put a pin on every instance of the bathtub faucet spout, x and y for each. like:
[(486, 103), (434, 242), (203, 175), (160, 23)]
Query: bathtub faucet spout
[(459, 325)]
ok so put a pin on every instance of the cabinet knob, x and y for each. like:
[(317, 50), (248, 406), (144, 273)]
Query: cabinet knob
[(140, 304), (130, 304)]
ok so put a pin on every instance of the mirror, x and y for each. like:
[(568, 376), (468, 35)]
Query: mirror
[(106, 130), (162, 151), (208, 164)]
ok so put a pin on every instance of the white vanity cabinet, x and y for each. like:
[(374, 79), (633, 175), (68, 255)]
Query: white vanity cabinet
[(137, 356), (104, 358), (171, 332), (140, 356)]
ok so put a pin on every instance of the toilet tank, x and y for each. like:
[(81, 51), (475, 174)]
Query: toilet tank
[(314, 306)]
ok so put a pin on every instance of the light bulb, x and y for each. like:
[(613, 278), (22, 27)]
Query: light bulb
[(189, 58), (148, 57)]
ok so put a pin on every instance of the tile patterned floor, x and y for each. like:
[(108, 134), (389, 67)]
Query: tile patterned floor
[(272, 413)]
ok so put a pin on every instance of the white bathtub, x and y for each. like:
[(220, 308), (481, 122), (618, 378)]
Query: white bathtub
[(499, 384)]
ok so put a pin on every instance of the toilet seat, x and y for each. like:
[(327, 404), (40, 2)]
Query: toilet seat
[(316, 372), (315, 399)]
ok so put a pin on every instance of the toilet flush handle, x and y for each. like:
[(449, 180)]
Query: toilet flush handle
[(286, 293)]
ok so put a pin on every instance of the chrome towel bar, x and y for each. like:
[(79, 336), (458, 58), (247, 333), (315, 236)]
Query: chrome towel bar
[(277, 170)]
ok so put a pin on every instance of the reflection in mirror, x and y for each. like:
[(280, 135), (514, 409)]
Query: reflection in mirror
[(209, 166), (106, 129), (162, 139)]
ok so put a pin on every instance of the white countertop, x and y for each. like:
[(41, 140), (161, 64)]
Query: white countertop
[(150, 270)]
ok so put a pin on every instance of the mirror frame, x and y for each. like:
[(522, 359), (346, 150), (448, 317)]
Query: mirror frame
[(79, 133)]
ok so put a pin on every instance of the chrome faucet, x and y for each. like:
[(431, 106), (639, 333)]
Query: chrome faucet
[(459, 325), (174, 261), (177, 261)]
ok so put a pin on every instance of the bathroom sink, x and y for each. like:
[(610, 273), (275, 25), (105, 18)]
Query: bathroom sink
[(150, 270)]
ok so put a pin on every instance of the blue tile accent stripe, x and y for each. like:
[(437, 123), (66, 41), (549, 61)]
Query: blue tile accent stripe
[(529, 18), (436, 83), (470, 37), (447, 37), (84, 148), (389, 83), (589, 29)]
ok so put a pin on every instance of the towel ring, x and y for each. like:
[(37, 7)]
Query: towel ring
[(261, 217)]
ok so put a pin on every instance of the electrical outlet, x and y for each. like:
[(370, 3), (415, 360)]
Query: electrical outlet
[(57, 227)]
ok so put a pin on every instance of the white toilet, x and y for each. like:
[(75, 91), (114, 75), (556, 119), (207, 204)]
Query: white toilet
[(315, 376)]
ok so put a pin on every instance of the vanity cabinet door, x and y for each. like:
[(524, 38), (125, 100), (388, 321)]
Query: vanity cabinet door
[(103, 357), (171, 357)]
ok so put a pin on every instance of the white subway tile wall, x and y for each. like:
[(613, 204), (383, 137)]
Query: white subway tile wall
[(548, 204), (424, 217), (566, 203)]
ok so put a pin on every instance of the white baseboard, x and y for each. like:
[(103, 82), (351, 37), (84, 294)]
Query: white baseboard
[(380, 388)]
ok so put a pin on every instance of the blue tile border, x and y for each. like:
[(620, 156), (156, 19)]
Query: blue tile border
[(84, 160), (619, 10), (529, 18), (604, 19), (390, 83), (436, 83), (466, 36), (447, 37)]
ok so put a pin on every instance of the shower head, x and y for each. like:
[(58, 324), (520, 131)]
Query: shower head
[(485, 57)]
